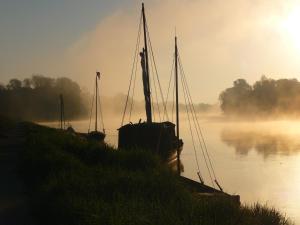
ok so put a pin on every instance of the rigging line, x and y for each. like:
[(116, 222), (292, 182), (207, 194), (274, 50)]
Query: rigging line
[(156, 73), (192, 112), (133, 92), (173, 102), (153, 112), (165, 112), (92, 110), (134, 80), (190, 127), (170, 81), (193, 117), (156, 97), (191, 131), (59, 122), (190, 108), (171, 76), (198, 128), (101, 115), (135, 56), (66, 121)]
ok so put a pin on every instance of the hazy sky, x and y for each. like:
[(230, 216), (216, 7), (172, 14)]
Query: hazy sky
[(219, 40)]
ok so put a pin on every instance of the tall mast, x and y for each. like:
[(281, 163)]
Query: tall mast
[(177, 108), (145, 68), (96, 120)]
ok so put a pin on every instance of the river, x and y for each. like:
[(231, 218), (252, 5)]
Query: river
[(260, 161)]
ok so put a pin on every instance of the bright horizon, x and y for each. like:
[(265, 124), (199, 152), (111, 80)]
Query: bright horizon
[(218, 42)]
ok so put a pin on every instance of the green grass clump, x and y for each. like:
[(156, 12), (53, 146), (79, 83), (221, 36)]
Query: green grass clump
[(73, 181)]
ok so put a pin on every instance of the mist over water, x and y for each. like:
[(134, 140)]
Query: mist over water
[(266, 142), (259, 160)]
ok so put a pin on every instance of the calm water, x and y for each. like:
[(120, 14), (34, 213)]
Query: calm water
[(260, 161)]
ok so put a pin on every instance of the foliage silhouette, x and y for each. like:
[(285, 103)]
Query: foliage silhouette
[(37, 98), (267, 96)]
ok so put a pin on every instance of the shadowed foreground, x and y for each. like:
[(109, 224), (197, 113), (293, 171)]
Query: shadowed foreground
[(14, 206), (72, 181)]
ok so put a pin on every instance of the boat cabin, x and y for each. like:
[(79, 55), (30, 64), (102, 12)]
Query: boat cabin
[(160, 138)]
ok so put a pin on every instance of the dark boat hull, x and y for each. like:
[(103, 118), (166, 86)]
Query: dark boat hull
[(96, 136), (158, 138), (172, 160), (93, 136), (207, 192)]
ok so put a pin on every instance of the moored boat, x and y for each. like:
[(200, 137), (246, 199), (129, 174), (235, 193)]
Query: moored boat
[(162, 138), (96, 135), (158, 137)]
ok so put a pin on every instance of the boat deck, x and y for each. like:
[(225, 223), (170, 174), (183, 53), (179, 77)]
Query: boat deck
[(205, 191)]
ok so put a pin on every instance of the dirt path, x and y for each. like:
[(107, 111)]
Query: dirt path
[(14, 207)]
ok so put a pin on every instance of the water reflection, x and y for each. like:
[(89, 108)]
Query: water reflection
[(262, 141)]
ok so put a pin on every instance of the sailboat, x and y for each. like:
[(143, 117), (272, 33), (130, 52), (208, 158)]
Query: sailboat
[(161, 137), (96, 134), (158, 137), (62, 122)]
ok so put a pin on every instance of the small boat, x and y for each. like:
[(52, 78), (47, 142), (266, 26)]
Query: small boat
[(158, 137), (96, 135), (62, 122)]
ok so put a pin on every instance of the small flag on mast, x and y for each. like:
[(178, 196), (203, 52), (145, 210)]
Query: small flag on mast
[(98, 74)]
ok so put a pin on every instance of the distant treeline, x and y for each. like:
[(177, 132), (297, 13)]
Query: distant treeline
[(37, 98), (265, 97)]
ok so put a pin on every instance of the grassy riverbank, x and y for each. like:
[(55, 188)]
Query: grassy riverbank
[(72, 181)]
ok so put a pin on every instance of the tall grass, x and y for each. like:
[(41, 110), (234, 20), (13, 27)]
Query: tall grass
[(73, 181)]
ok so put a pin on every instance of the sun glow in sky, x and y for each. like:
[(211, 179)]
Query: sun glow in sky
[(290, 26), (218, 42)]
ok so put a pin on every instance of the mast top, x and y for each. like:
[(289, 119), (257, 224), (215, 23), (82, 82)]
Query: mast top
[(143, 8)]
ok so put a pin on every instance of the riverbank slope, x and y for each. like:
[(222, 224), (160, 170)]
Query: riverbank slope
[(72, 181)]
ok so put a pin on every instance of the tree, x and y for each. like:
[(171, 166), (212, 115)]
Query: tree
[(36, 98), (2, 87), (265, 94), (14, 84), (241, 86), (39, 81), (27, 83), (235, 98)]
